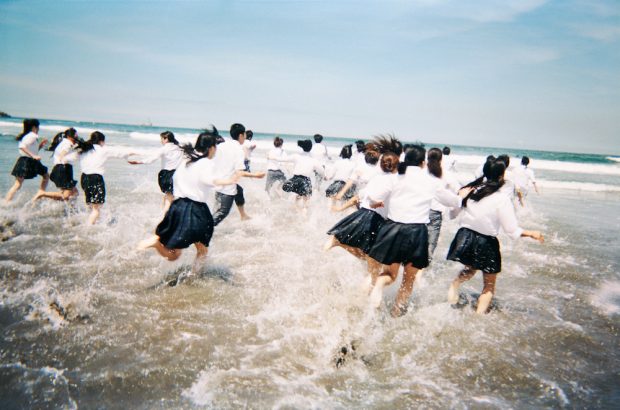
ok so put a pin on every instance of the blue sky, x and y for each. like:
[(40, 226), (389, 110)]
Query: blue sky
[(530, 73)]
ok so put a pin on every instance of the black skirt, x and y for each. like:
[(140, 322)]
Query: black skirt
[(359, 229), (476, 250), (28, 168), (164, 178), (94, 188), (186, 222), (401, 243), (62, 176), (336, 186), (298, 184)]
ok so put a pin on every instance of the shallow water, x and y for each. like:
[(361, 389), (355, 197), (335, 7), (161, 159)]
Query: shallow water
[(87, 321)]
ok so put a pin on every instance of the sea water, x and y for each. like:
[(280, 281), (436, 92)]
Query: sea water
[(88, 321)]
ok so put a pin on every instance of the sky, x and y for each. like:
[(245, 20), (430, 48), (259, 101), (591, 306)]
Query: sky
[(530, 74)]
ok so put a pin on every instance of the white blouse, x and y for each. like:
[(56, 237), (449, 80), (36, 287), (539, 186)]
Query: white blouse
[(489, 214), (364, 173), (30, 142), (65, 153), (341, 170), (171, 156), (410, 196), (194, 180), (273, 156), (228, 160), (449, 182), (373, 189), (306, 165), (93, 161)]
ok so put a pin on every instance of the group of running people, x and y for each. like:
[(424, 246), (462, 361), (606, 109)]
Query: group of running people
[(401, 194)]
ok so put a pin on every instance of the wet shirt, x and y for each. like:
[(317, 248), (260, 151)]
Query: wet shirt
[(228, 160), (171, 156), (195, 180)]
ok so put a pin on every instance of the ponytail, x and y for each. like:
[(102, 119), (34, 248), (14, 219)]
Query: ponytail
[(55, 141), (206, 139), (29, 124), (494, 173), (433, 162), (85, 146), (169, 136)]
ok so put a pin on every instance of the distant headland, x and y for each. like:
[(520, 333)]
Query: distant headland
[(4, 115)]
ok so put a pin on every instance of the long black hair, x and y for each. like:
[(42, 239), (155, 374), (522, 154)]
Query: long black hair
[(29, 124), (206, 139), (95, 138), (384, 143), (415, 156), (489, 183), (346, 152), (68, 133), (433, 162), (169, 136)]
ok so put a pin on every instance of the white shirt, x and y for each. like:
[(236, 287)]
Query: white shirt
[(373, 188), (64, 152), (341, 170), (29, 142), (364, 173), (509, 186), (228, 160), (306, 165), (358, 158), (489, 214), (92, 162), (319, 152), (479, 172), (171, 156), (449, 182), (410, 196), (448, 163), (273, 155), (523, 177), (248, 146), (194, 180)]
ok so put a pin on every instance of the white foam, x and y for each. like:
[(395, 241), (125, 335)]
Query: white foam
[(578, 186), (607, 298)]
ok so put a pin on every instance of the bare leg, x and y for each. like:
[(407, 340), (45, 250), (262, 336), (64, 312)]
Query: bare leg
[(242, 213), (201, 256), (487, 293), (386, 278), (58, 196), (16, 187), (94, 213), (168, 198), (153, 242), (374, 270), (453, 292), (332, 241), (44, 182), (404, 292)]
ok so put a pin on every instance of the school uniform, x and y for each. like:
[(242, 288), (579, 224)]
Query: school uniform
[(27, 167), (62, 173), (475, 243), (274, 169), (305, 167), (403, 238), (448, 181), (248, 146), (171, 156), (359, 229), (92, 164), (189, 219), (523, 179), (228, 161), (340, 173), (319, 153)]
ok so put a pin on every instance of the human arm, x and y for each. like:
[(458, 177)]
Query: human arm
[(42, 143), (28, 140), (344, 189), (534, 235), (351, 202), (247, 174)]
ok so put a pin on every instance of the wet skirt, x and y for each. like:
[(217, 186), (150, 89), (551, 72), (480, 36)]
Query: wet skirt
[(94, 188), (28, 168), (358, 230), (336, 186), (476, 250), (62, 176), (164, 178), (185, 223), (401, 243), (298, 184)]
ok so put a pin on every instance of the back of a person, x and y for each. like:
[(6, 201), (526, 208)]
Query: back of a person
[(411, 196), (343, 168), (187, 180), (228, 159), (173, 156), (484, 213), (304, 165)]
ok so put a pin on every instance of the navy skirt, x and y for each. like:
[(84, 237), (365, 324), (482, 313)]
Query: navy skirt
[(401, 243), (164, 178), (336, 186), (62, 176), (94, 188), (28, 168), (186, 222), (298, 184), (476, 250), (358, 230)]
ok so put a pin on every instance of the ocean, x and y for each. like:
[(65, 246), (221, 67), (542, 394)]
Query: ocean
[(88, 321)]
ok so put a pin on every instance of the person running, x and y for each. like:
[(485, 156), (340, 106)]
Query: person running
[(403, 238), (340, 172), (228, 163), (248, 147), (274, 168), (29, 164), (171, 156), (188, 220), (449, 163), (485, 210), (63, 145), (320, 154), (523, 178), (93, 155), (305, 166), (362, 173)]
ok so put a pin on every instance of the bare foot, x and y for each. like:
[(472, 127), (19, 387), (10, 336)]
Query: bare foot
[(148, 243), (39, 194), (245, 217), (398, 311)]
